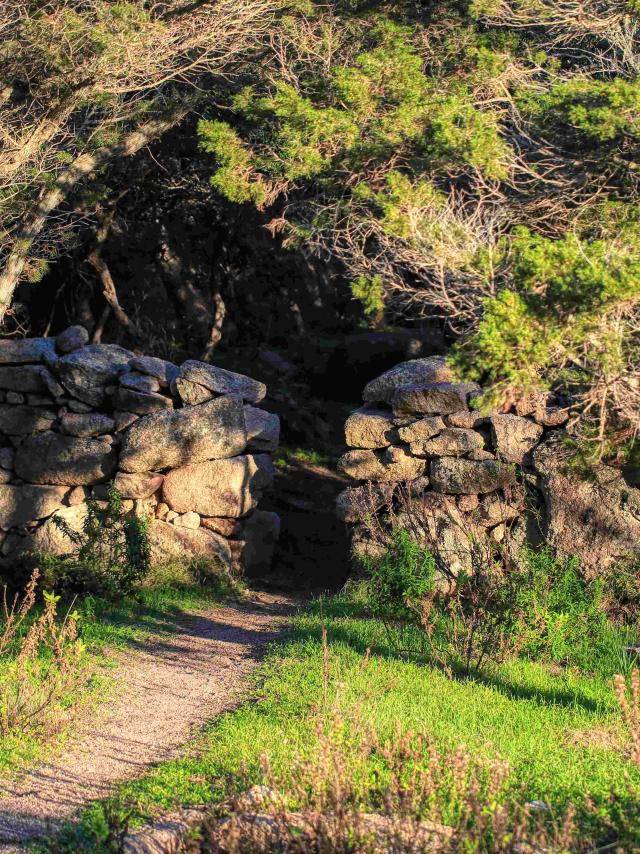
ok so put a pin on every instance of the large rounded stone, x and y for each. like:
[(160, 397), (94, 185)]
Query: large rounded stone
[(162, 370), (87, 424), (597, 520), (450, 442), (470, 477), (169, 542), (50, 458), (140, 382), (142, 403), (139, 485), (24, 420), (369, 427), (191, 394), (393, 464), (50, 539), (214, 430), (33, 379), (221, 381), (24, 503), (419, 431), (86, 372), (433, 398), (263, 429), (514, 437), (23, 351), (73, 338), (433, 369), (219, 487)]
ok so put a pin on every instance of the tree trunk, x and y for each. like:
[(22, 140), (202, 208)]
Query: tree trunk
[(82, 166)]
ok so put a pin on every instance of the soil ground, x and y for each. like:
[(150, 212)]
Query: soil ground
[(166, 692)]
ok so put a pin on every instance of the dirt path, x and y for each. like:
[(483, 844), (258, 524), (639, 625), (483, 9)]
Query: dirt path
[(167, 693)]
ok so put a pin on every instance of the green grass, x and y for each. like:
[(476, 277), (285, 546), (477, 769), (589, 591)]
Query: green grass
[(107, 628), (296, 456), (559, 731)]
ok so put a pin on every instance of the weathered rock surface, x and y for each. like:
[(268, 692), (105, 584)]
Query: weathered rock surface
[(138, 485), (162, 370), (29, 378), (143, 404), (169, 542), (213, 430), (450, 442), (497, 507), (457, 476), (221, 381), (597, 520), (230, 487), (393, 464), (71, 339), (434, 398), (425, 428), (545, 408), (23, 420), (433, 369), (356, 502), (221, 525), (22, 504), (49, 539), (370, 427), (122, 420), (514, 437), (50, 458), (189, 520), (140, 382), (263, 429), (191, 394), (454, 541), (87, 425), (86, 372), (466, 419), (24, 351)]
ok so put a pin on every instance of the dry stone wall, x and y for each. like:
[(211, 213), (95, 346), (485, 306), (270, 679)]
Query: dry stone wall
[(187, 446), (471, 482)]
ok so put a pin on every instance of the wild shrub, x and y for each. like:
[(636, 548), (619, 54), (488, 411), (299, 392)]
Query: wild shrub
[(352, 790), (42, 663), (540, 608), (112, 555), (474, 162)]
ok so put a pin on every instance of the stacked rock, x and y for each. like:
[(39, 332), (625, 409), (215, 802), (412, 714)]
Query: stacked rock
[(186, 446), (466, 470)]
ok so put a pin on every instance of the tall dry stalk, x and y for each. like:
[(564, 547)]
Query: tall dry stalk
[(628, 694)]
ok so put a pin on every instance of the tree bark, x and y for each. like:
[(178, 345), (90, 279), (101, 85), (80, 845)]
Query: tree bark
[(82, 166)]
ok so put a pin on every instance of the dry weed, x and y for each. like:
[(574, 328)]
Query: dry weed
[(42, 666)]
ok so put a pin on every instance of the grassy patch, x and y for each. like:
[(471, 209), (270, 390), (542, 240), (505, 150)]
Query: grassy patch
[(104, 628), (559, 730), (300, 456)]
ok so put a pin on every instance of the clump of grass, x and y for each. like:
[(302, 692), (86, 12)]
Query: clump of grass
[(355, 791), (296, 456), (540, 609), (43, 664)]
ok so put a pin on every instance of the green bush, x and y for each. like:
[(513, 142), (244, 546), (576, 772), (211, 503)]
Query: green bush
[(412, 144), (112, 554), (542, 610)]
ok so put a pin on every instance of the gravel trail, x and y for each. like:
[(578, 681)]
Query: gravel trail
[(165, 693)]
